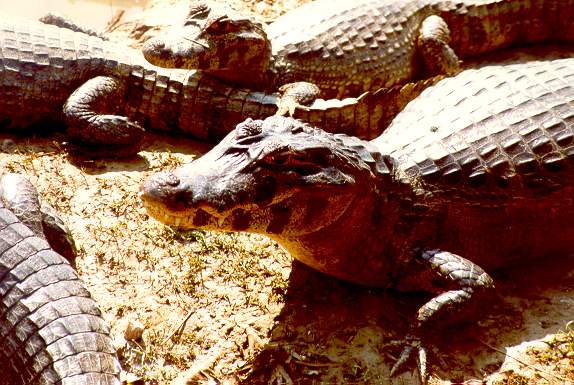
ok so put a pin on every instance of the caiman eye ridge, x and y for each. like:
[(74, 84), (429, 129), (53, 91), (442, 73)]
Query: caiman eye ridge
[(288, 162)]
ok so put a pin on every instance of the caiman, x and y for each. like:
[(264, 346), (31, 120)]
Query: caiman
[(450, 191), (348, 47), (51, 330), (105, 94)]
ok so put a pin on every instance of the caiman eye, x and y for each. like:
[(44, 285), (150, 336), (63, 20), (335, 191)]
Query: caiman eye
[(278, 159), (221, 25), (285, 161)]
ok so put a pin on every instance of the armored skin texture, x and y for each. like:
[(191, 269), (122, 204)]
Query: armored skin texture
[(51, 330), (21, 197), (449, 192), (348, 47), (106, 94)]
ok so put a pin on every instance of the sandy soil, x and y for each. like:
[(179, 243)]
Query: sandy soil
[(210, 308)]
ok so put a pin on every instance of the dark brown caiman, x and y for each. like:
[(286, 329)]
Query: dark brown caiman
[(475, 173), (348, 47), (51, 330), (105, 94)]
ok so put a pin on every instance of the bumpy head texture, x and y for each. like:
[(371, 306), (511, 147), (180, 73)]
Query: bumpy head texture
[(264, 166), (212, 38)]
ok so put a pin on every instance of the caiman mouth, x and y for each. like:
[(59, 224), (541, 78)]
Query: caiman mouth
[(168, 201), (180, 220), (191, 204)]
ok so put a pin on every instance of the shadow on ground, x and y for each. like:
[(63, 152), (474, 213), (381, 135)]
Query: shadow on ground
[(56, 143), (330, 331)]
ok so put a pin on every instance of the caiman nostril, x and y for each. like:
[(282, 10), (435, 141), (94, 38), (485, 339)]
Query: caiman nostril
[(160, 185), (153, 47), (169, 179)]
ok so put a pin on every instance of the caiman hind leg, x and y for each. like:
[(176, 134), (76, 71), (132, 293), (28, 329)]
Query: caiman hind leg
[(92, 115), (465, 284), (58, 234), (433, 45)]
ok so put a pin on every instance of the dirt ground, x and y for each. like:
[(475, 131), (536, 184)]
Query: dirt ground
[(212, 308)]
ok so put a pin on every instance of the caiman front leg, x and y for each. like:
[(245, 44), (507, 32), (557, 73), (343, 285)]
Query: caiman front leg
[(465, 284), (93, 117), (433, 44), (294, 95)]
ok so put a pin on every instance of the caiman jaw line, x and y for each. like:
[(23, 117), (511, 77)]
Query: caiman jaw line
[(164, 217), (178, 220)]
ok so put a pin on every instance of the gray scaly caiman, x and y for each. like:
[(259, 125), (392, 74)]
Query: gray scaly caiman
[(349, 47), (51, 330), (105, 94), (450, 191)]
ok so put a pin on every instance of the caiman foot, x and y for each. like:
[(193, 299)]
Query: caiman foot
[(461, 285), (95, 126), (411, 344), (433, 44), (296, 95)]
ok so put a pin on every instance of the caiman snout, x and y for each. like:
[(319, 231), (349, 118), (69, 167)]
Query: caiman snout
[(155, 51), (173, 201), (159, 188)]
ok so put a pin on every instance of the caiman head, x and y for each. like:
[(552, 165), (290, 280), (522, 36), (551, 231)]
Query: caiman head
[(297, 184), (215, 38)]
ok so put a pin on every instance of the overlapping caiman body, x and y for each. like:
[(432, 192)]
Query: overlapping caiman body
[(483, 178), (348, 47), (51, 330), (105, 93)]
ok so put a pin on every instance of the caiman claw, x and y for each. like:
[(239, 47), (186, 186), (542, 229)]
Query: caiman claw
[(296, 95), (411, 343)]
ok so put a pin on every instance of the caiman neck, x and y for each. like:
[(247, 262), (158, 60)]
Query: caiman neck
[(375, 236), (357, 247)]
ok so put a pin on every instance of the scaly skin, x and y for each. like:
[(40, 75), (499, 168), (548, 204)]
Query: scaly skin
[(348, 47), (105, 94), (51, 330), (486, 174)]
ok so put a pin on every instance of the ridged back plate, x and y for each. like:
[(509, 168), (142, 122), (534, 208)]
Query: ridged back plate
[(511, 125)]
